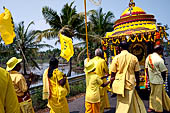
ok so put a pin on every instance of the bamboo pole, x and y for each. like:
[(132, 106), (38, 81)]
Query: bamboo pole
[(86, 30)]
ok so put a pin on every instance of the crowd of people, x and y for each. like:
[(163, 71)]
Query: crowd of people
[(123, 81)]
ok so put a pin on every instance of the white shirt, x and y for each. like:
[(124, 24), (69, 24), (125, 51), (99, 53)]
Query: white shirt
[(155, 68)]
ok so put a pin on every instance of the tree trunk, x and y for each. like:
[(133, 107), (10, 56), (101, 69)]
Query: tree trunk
[(70, 68), (24, 62), (24, 65)]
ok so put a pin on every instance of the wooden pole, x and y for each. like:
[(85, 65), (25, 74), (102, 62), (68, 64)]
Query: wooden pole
[(86, 29)]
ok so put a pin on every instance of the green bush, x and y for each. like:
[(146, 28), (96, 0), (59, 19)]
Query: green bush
[(77, 88), (37, 101)]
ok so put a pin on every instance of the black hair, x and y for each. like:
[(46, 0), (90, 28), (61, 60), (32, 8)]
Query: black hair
[(123, 45), (158, 48), (53, 64)]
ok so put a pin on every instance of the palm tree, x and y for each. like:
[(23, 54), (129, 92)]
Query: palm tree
[(68, 22), (99, 23), (26, 44)]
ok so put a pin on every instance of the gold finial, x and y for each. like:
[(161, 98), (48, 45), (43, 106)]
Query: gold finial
[(131, 3)]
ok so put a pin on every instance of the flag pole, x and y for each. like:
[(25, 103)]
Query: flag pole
[(86, 30)]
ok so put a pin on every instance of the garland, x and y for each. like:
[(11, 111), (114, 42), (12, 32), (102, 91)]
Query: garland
[(140, 38)]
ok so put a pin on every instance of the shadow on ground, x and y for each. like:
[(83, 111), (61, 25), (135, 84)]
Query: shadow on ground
[(75, 112), (112, 110)]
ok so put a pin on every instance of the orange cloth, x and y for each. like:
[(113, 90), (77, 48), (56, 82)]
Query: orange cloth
[(92, 107)]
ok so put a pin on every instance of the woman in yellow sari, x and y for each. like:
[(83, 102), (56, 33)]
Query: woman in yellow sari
[(55, 88)]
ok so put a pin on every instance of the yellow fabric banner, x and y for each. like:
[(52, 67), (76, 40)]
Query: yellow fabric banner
[(66, 47), (7, 27)]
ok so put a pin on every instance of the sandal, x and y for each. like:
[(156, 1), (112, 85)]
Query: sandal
[(150, 110)]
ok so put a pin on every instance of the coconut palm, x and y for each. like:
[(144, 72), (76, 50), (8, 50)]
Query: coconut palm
[(68, 22), (25, 43), (99, 23)]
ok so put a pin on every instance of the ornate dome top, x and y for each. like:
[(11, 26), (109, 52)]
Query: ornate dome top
[(132, 11)]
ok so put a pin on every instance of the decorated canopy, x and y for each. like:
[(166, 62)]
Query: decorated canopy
[(135, 24)]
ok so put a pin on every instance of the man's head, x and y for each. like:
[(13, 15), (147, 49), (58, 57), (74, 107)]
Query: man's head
[(98, 52), (13, 64), (17, 67), (123, 45), (158, 49)]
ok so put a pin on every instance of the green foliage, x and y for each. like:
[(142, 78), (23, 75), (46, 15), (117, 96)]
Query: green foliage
[(37, 101), (68, 22), (25, 43), (99, 23), (77, 88)]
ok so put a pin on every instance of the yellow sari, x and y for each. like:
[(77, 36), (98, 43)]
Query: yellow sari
[(56, 103)]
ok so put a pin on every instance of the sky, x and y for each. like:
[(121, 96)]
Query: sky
[(31, 10)]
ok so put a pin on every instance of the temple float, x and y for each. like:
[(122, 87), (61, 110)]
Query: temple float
[(141, 32)]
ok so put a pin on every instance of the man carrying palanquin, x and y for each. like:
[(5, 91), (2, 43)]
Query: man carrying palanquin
[(156, 71), (125, 69)]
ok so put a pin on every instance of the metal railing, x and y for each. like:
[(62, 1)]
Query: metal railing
[(71, 80)]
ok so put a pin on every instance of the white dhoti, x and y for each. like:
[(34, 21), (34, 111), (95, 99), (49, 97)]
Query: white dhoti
[(159, 99), (131, 103)]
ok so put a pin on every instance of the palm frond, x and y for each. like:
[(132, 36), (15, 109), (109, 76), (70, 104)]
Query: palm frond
[(52, 17), (79, 44), (32, 22), (78, 57), (48, 34)]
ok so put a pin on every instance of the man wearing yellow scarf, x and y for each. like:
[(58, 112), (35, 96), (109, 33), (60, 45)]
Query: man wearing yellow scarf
[(101, 70), (8, 99), (156, 70), (55, 88), (20, 85)]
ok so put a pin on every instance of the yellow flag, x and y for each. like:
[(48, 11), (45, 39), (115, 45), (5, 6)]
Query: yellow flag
[(66, 47), (7, 27)]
